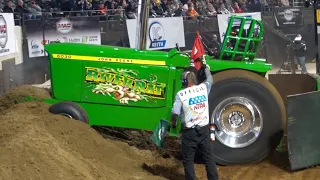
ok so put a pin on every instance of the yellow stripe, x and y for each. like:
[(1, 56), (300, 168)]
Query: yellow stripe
[(318, 16), (107, 59), (157, 97)]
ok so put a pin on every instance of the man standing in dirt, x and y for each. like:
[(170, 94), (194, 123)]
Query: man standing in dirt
[(191, 104)]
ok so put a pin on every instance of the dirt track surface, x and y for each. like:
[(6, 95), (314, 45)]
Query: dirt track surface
[(38, 145)]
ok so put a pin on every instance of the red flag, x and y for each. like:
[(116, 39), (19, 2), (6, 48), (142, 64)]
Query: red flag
[(197, 51)]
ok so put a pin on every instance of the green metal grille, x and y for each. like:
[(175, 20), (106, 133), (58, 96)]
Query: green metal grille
[(247, 53)]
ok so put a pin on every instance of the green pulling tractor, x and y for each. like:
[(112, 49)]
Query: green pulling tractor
[(129, 88)]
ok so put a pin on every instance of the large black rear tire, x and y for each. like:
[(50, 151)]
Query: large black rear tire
[(249, 91)]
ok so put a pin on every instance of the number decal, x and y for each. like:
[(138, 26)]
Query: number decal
[(62, 56)]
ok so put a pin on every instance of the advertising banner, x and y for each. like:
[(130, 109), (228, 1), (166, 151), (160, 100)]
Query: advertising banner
[(288, 16), (223, 21), (163, 33), (7, 34), (61, 30)]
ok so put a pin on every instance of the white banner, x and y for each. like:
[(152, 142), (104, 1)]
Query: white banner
[(163, 33), (72, 30), (223, 21), (7, 34)]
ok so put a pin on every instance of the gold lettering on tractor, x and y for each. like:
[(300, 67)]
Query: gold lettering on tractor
[(124, 85), (119, 80), (129, 82), (92, 75)]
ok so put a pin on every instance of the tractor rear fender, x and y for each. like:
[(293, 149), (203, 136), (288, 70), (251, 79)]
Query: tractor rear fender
[(258, 66)]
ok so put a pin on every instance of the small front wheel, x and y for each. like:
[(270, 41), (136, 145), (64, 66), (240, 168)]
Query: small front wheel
[(70, 110)]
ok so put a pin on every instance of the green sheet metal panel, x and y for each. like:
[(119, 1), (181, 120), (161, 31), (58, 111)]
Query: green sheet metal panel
[(303, 130)]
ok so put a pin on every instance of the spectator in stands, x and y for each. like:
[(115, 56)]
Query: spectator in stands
[(254, 5), (179, 11), (131, 9), (121, 10), (243, 6), (34, 9), (165, 7), (152, 3), (236, 8), (82, 5), (223, 9), (216, 4), (158, 8), (21, 10), (108, 4), (9, 7), (216, 45), (210, 10), (112, 11), (152, 12), (191, 12), (118, 15), (285, 3), (175, 5), (201, 7), (65, 5), (48, 5), (102, 9)]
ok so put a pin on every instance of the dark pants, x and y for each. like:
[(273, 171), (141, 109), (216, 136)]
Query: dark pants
[(193, 140), (302, 63)]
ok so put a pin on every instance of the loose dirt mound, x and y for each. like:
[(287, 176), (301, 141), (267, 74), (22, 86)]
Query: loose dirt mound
[(38, 145), (22, 94), (141, 140)]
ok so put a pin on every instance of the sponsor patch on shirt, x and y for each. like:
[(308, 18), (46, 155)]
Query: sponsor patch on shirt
[(197, 104)]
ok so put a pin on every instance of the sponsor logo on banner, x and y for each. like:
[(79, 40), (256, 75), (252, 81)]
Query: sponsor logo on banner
[(156, 35), (65, 39), (71, 40), (3, 35), (163, 33), (74, 40), (44, 42), (93, 38), (63, 30), (84, 39), (34, 45), (41, 51), (35, 48), (64, 26), (288, 14), (3, 32)]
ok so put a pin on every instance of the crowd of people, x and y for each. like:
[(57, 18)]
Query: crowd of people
[(128, 8)]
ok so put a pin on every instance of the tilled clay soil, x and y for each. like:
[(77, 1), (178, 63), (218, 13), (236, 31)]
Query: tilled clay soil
[(35, 144)]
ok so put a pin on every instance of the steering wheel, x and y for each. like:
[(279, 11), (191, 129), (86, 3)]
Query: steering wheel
[(177, 47)]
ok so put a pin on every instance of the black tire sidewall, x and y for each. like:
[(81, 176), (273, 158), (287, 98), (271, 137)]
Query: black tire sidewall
[(70, 108), (270, 112)]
